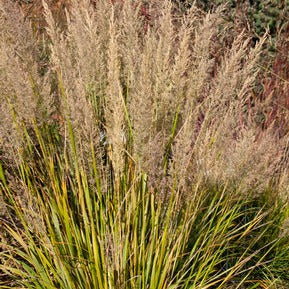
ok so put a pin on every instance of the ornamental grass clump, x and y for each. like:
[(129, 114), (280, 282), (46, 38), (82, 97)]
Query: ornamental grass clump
[(126, 238), (128, 159)]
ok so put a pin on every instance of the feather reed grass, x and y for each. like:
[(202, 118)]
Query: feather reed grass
[(130, 162)]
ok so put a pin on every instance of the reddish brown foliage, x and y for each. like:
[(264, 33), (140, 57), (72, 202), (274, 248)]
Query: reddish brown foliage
[(276, 87)]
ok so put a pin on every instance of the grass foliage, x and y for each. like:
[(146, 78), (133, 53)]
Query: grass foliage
[(129, 157)]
